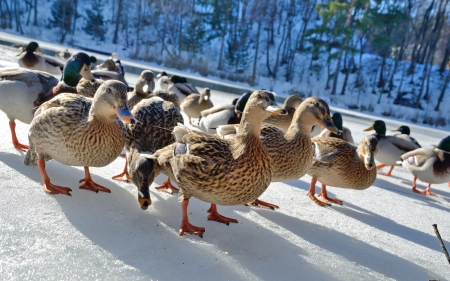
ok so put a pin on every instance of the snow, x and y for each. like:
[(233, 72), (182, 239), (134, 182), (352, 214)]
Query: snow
[(381, 233)]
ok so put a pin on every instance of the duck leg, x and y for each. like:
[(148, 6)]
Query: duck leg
[(15, 141), (124, 176), (89, 184), (48, 186), (388, 174), (381, 166), (325, 197), (312, 192), (425, 192), (215, 216), (186, 227), (167, 187), (261, 203)]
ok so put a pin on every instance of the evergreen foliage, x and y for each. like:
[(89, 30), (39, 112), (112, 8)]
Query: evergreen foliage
[(95, 25)]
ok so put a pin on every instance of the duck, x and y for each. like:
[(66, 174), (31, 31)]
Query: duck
[(64, 55), (390, 148), (156, 120), (79, 131), (94, 63), (291, 151), (144, 86), (284, 121), (23, 90), (31, 59), (345, 134), (430, 165), (225, 114), (162, 81), (194, 104), (167, 96), (221, 171), (181, 87), (340, 163), (405, 132), (107, 71)]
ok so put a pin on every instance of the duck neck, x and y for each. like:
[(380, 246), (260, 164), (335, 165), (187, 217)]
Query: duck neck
[(303, 121), (99, 112), (246, 127)]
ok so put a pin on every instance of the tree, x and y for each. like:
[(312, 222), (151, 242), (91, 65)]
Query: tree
[(62, 13), (95, 25)]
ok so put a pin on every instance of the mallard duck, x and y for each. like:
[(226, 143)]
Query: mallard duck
[(221, 171), (153, 131), (38, 61), (162, 81), (390, 148), (193, 104), (339, 163), (64, 55), (223, 114), (179, 86), (405, 134), (345, 134), (79, 131), (167, 96), (144, 86), (22, 90), (284, 121), (430, 165), (107, 71), (291, 151), (94, 63)]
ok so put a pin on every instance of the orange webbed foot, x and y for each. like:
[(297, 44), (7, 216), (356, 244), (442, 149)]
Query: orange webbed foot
[(56, 189), (167, 187), (215, 216), (21, 147), (261, 203), (89, 184), (317, 201), (124, 176), (424, 192), (187, 228), (328, 199)]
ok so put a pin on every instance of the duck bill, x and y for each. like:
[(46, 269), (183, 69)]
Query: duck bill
[(276, 110), (206, 97), (39, 50), (124, 113), (86, 73), (369, 129), (395, 130), (369, 162), (328, 123), (147, 88), (144, 197)]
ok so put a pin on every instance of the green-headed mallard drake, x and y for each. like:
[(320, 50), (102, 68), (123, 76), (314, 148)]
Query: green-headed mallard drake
[(430, 165), (22, 90), (284, 121), (144, 86), (79, 131), (181, 87), (339, 163), (221, 171), (216, 116), (194, 104), (405, 134), (345, 134), (162, 81), (390, 148), (153, 131), (29, 58), (291, 151)]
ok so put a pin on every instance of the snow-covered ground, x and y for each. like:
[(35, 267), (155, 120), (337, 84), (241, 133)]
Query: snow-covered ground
[(382, 233)]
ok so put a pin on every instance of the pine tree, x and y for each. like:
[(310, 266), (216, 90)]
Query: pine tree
[(95, 25), (62, 13)]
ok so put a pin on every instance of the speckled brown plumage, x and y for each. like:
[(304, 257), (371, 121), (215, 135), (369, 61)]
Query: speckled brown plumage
[(193, 104), (144, 86), (88, 88), (284, 121), (79, 131), (341, 164), (153, 131)]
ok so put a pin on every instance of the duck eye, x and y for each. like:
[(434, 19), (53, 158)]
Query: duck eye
[(259, 96), (316, 104)]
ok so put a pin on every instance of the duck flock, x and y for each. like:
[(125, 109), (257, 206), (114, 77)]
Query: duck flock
[(229, 157)]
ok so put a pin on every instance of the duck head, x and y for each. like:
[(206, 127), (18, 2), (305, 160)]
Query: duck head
[(337, 121), (368, 148), (145, 83), (206, 94), (314, 111), (77, 67), (378, 126), (110, 101), (260, 105), (444, 144), (142, 174), (403, 130)]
